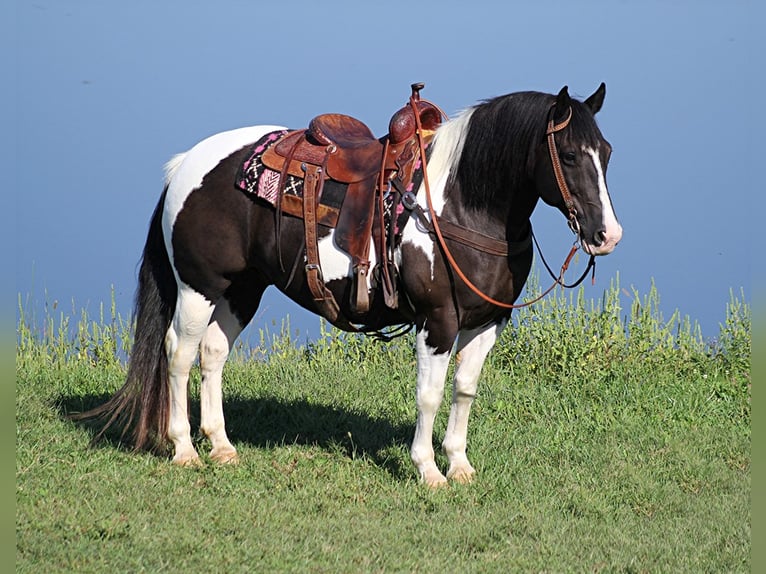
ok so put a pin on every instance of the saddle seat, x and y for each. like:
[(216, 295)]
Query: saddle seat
[(340, 130), (351, 151)]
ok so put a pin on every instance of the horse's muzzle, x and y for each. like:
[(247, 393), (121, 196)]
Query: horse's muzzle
[(603, 240)]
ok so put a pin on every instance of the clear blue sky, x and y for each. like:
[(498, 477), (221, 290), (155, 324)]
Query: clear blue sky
[(106, 92)]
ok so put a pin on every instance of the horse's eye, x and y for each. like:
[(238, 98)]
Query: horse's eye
[(569, 157)]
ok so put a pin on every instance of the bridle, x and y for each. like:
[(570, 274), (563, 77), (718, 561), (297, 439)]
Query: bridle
[(551, 130), (550, 134)]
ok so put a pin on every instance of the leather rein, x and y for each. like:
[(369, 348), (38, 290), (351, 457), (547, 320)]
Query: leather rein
[(451, 229)]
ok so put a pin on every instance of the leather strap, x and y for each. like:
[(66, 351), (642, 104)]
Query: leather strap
[(556, 164), (313, 180), (323, 297), (472, 238), (382, 245)]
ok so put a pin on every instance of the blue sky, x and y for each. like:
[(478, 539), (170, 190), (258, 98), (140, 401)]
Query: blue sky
[(106, 92)]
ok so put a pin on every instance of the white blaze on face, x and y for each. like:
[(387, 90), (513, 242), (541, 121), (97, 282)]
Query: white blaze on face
[(613, 230)]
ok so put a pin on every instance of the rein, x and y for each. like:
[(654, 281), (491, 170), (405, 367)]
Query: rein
[(551, 130)]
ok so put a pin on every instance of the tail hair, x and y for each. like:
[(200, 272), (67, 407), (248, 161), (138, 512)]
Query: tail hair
[(141, 406)]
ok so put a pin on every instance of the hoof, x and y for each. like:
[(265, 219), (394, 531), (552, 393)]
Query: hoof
[(228, 456), (434, 480), (462, 474), (187, 461)]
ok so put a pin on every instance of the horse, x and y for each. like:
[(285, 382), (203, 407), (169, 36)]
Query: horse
[(212, 250)]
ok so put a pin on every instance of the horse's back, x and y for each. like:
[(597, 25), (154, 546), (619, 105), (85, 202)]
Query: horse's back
[(185, 172)]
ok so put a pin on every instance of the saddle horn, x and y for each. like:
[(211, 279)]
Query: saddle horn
[(402, 125)]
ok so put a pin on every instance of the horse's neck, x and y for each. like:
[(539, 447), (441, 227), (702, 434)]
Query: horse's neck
[(507, 209), (510, 221), (522, 206)]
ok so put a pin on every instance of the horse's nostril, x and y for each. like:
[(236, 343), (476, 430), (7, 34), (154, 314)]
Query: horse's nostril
[(599, 237)]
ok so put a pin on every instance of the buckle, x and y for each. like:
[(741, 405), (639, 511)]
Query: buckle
[(574, 225), (409, 200), (314, 267)]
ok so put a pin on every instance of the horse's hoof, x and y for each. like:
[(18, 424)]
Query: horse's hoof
[(461, 474), (225, 457), (187, 461), (434, 480)]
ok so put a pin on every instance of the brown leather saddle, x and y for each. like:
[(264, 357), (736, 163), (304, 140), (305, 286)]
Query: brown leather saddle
[(344, 149)]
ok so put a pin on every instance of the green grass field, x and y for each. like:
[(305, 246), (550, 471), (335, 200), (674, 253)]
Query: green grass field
[(605, 440)]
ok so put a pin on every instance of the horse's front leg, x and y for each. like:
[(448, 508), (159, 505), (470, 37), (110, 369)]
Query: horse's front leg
[(471, 351), (432, 370)]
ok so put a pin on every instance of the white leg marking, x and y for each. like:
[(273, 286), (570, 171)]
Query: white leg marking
[(432, 369), (611, 225), (216, 343), (182, 341), (472, 349)]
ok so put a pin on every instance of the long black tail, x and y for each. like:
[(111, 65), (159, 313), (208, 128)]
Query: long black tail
[(141, 406)]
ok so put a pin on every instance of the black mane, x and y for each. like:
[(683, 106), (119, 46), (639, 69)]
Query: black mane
[(503, 133)]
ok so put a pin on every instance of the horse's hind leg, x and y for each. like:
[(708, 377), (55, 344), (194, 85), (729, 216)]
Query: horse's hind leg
[(232, 312), (471, 351), (217, 342), (182, 341)]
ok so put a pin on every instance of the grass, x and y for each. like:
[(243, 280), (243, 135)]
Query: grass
[(606, 440)]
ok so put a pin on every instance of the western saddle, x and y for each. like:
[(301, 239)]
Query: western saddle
[(342, 148)]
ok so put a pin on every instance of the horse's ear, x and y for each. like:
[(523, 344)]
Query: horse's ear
[(563, 102), (596, 100)]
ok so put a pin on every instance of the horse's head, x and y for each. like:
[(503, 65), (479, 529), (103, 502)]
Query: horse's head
[(570, 171)]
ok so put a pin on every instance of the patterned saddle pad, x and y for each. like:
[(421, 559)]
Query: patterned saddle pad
[(255, 178)]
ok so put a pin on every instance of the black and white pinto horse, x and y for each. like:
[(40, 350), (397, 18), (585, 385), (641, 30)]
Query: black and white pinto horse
[(211, 252)]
